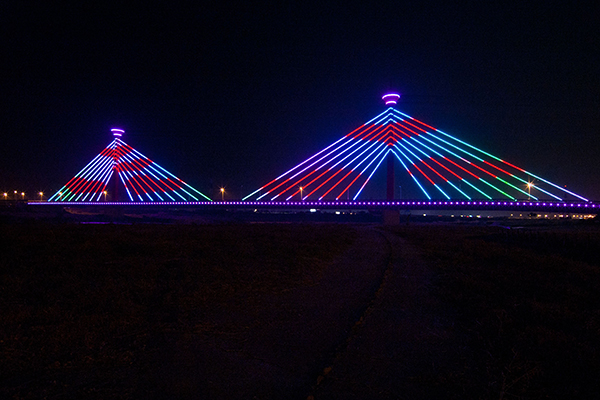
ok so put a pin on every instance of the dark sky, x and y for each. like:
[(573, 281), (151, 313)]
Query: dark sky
[(236, 94)]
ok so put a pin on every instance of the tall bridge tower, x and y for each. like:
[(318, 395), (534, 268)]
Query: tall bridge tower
[(439, 166), (390, 99), (121, 173)]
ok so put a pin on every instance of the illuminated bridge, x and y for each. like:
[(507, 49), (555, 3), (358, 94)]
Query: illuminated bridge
[(445, 172), (440, 167)]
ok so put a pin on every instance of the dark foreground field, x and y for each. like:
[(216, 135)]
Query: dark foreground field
[(298, 311)]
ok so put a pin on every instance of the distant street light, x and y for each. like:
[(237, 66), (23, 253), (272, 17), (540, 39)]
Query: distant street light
[(301, 197), (104, 195), (222, 194), (23, 195), (41, 195), (5, 195), (529, 185)]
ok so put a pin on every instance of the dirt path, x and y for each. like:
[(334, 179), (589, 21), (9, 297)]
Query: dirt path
[(370, 328), (278, 347), (406, 346)]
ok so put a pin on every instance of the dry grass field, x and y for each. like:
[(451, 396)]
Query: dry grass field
[(85, 306), (529, 300), (82, 304)]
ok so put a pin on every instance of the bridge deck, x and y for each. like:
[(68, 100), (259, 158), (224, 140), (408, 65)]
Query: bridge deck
[(542, 206)]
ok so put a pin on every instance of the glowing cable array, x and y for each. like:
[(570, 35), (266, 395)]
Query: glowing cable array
[(432, 158), (143, 179)]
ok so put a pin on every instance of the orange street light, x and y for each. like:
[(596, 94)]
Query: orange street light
[(529, 185)]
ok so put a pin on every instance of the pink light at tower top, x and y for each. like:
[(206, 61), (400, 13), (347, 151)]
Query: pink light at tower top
[(390, 98), (117, 132)]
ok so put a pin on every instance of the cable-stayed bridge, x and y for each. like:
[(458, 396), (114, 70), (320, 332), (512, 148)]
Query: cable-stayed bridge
[(440, 165), (447, 172)]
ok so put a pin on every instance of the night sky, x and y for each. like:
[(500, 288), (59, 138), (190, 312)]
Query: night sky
[(235, 94)]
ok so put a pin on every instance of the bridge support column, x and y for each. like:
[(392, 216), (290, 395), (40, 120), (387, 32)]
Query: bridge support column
[(390, 178), (115, 185)]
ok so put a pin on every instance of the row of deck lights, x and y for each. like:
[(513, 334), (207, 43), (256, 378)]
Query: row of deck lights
[(343, 203)]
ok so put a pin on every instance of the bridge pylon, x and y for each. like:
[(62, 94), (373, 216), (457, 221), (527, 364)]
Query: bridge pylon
[(131, 173), (438, 165)]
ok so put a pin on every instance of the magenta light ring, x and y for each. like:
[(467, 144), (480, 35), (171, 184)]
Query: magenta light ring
[(391, 98), (117, 132)]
